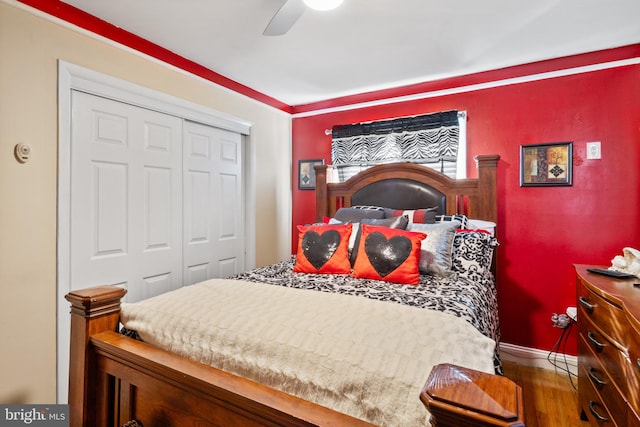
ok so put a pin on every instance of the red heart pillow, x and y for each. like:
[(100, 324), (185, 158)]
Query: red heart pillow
[(388, 254), (323, 249)]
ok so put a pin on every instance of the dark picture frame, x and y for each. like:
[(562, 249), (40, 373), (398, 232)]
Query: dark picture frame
[(544, 165), (306, 173)]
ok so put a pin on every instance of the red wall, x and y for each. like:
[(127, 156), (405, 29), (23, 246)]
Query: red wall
[(542, 230)]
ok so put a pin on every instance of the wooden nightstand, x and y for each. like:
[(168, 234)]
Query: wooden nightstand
[(457, 396)]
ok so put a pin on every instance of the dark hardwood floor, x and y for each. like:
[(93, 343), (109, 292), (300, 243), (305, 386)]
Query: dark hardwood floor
[(549, 398)]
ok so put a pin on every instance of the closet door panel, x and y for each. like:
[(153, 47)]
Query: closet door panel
[(214, 203), (126, 202)]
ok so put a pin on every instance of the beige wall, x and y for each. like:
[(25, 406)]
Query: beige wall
[(30, 46)]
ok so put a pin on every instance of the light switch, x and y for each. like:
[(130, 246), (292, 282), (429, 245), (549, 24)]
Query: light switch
[(593, 150)]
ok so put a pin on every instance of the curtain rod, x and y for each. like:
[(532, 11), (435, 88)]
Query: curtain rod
[(461, 115)]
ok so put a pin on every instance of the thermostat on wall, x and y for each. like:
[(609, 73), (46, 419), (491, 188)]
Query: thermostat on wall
[(22, 152)]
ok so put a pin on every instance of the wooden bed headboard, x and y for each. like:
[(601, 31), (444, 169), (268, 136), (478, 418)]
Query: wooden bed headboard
[(411, 186)]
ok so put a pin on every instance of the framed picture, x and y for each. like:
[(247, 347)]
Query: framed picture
[(306, 173), (546, 164)]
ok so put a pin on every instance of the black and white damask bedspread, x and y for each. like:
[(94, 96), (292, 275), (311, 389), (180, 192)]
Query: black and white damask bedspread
[(474, 301)]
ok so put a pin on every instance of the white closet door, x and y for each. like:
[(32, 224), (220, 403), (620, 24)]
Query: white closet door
[(122, 193), (213, 203), (126, 201)]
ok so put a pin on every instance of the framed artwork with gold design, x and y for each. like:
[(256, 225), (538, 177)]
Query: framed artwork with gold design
[(544, 165), (306, 173)]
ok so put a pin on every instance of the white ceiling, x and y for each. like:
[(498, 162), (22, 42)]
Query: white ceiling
[(370, 44)]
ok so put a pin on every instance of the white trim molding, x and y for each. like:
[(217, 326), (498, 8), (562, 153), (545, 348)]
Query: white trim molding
[(536, 358), (475, 87), (90, 81)]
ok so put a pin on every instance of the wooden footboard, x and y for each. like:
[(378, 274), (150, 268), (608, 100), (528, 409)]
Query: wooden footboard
[(114, 379)]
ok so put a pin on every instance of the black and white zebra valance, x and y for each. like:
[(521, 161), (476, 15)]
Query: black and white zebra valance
[(432, 140)]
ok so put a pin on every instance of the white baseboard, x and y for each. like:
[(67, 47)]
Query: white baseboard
[(537, 358)]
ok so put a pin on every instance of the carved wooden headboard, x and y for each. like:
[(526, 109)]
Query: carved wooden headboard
[(411, 186)]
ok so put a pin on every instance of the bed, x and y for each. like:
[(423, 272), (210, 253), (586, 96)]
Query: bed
[(156, 371)]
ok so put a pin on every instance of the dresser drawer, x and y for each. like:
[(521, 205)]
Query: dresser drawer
[(607, 316), (633, 369), (613, 360), (592, 371), (592, 405)]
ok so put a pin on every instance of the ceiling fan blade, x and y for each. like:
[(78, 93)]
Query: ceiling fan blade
[(285, 17)]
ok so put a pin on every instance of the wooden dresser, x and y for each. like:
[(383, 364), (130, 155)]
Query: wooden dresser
[(608, 349)]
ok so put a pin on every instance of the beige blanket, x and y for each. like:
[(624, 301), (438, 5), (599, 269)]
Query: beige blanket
[(366, 358)]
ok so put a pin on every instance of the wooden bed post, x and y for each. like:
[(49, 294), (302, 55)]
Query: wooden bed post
[(92, 311), (487, 182), (321, 192)]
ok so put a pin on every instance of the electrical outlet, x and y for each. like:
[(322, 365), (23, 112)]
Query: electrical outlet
[(593, 150), (572, 312)]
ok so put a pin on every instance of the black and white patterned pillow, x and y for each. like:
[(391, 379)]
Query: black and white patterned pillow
[(473, 254), (464, 221), (375, 208)]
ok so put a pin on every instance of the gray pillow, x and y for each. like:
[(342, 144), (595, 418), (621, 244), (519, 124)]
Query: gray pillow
[(356, 214), (437, 248)]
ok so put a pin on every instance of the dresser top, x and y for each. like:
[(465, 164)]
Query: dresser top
[(621, 292)]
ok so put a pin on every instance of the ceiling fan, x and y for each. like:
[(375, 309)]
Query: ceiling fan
[(291, 10)]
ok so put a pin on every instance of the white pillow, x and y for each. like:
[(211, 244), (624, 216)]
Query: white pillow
[(480, 224)]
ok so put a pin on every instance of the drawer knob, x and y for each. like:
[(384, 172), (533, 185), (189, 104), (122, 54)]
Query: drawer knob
[(584, 302), (594, 378), (638, 363), (595, 413), (594, 341)]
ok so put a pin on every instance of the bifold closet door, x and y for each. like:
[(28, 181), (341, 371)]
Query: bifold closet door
[(126, 197), (213, 203), (149, 201)]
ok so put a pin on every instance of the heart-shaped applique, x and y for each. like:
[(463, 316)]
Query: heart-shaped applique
[(385, 255), (319, 248)]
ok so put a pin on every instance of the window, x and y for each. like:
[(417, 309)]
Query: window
[(435, 140)]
